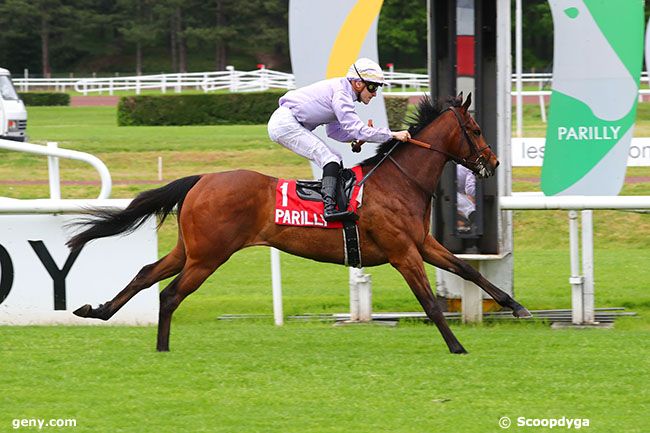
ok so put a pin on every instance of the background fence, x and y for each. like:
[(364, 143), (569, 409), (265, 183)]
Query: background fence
[(241, 81)]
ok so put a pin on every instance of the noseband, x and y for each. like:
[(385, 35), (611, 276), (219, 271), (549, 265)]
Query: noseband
[(476, 162)]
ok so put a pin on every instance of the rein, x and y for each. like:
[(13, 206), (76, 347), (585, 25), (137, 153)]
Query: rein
[(462, 161)]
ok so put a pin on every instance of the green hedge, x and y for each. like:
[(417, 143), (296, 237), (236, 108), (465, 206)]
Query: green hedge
[(208, 109), (396, 107), (221, 108), (36, 99)]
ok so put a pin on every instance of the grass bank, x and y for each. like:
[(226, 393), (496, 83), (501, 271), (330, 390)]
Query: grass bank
[(311, 377)]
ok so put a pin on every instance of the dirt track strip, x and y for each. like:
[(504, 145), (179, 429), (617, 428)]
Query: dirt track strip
[(630, 179)]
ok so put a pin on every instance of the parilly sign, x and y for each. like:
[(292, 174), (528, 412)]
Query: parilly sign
[(596, 71)]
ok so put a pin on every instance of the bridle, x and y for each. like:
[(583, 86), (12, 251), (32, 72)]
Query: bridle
[(476, 162)]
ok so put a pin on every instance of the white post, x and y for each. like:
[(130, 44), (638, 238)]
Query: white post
[(588, 266), (54, 174), (231, 69), (518, 67), (163, 83), (160, 168), (276, 279), (354, 297), (576, 279), (264, 78), (26, 82), (360, 296), (542, 104), (472, 300)]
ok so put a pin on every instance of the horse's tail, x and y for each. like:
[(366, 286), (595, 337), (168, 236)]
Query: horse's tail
[(110, 222)]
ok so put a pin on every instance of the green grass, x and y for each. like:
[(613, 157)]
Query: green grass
[(251, 376)]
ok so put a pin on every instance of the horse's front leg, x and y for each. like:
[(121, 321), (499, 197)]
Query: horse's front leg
[(438, 256), (411, 267)]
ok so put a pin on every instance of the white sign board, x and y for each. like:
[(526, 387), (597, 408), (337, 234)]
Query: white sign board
[(325, 38), (529, 152), (41, 282)]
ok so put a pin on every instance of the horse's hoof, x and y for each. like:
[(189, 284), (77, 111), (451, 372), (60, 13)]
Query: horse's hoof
[(459, 351), (522, 313), (83, 311)]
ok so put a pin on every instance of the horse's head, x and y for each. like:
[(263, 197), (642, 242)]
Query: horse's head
[(470, 149)]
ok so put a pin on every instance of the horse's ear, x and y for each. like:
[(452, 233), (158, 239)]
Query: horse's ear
[(468, 101), (459, 98)]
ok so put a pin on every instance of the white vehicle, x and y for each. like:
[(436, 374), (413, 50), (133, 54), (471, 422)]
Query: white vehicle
[(13, 116)]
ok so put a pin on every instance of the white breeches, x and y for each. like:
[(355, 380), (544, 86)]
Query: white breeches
[(464, 205), (286, 130)]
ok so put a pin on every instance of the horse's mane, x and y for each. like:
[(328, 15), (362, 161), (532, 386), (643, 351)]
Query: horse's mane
[(426, 112)]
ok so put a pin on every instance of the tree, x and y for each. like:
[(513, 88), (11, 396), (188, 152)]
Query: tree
[(402, 33), (138, 26), (19, 43), (213, 29), (171, 14), (264, 32)]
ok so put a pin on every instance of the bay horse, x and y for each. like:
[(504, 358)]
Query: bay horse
[(221, 213)]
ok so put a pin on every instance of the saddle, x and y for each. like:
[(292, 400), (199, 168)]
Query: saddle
[(300, 203), (310, 189)]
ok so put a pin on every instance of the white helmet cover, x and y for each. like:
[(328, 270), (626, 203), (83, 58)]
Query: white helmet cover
[(367, 70)]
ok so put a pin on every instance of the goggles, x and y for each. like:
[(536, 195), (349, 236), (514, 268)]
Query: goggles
[(370, 85)]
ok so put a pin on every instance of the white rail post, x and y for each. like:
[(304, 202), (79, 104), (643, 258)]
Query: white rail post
[(575, 279), (54, 172), (276, 281), (588, 266), (231, 69), (542, 103), (360, 296), (518, 62), (472, 299)]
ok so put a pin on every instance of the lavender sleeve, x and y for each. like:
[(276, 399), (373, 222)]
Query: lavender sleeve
[(349, 126), (470, 184)]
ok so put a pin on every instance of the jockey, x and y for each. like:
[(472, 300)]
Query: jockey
[(331, 103)]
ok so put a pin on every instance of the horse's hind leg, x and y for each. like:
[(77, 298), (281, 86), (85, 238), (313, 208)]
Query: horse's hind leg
[(166, 267), (191, 277), (438, 256), (411, 267)]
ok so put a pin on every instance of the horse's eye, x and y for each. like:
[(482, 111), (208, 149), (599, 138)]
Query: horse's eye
[(477, 132)]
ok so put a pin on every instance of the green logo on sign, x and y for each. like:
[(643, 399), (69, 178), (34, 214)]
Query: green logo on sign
[(596, 72)]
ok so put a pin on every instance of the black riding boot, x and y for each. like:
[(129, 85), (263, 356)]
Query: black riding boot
[(328, 191)]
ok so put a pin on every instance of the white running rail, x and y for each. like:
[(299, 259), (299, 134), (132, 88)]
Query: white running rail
[(582, 283), (234, 81), (54, 152)]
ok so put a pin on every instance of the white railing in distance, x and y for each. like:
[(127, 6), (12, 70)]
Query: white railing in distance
[(104, 174)]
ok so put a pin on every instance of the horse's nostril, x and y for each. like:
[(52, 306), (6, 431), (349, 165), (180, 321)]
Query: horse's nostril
[(497, 164)]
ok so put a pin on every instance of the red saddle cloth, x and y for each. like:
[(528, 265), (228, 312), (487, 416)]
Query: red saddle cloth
[(291, 210)]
